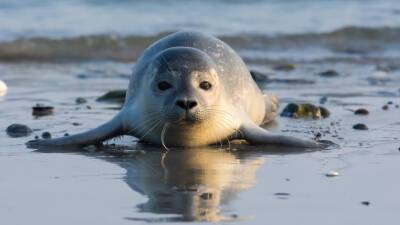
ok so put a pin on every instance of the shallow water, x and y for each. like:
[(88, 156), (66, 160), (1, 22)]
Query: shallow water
[(89, 47)]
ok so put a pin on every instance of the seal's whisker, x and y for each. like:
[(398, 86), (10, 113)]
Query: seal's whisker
[(163, 132), (151, 128)]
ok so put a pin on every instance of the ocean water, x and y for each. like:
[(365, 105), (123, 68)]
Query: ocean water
[(52, 52)]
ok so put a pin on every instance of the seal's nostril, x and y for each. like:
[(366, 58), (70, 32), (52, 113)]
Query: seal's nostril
[(191, 104), (181, 104)]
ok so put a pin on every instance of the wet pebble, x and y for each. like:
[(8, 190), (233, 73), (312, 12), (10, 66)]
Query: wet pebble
[(285, 67), (385, 107), (329, 73), (76, 124), (46, 135), (3, 88), (18, 130), (42, 110), (366, 203), (332, 174), (66, 135), (361, 111), (360, 126), (304, 110), (80, 100), (323, 100), (390, 103), (397, 106)]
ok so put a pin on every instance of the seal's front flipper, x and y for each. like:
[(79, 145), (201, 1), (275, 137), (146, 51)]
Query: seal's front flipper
[(95, 136), (257, 135)]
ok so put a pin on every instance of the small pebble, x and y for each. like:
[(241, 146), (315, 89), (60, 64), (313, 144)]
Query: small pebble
[(80, 100), (66, 134), (361, 111), (397, 106), (390, 103), (332, 174), (36, 137), (329, 73), (89, 107), (323, 100), (385, 107), (360, 126), (18, 130), (366, 203), (46, 135), (76, 124), (42, 110), (285, 67)]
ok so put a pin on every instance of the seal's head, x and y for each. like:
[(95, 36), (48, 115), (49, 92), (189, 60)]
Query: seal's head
[(185, 94), (185, 83)]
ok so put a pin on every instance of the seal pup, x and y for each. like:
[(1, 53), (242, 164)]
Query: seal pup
[(189, 89)]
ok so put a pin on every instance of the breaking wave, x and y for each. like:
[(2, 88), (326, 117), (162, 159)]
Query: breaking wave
[(348, 40)]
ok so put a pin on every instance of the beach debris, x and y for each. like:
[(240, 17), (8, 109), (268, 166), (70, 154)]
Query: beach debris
[(332, 173), (3, 88), (361, 111), (285, 67), (206, 196), (385, 107), (366, 203), (46, 135), (42, 110), (329, 73), (360, 126), (76, 124), (80, 100), (18, 130), (117, 96), (304, 110)]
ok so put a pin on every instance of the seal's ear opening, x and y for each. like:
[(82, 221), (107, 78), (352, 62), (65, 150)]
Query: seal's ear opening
[(95, 136)]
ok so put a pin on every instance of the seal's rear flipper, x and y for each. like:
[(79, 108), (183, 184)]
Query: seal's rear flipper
[(257, 135), (95, 136)]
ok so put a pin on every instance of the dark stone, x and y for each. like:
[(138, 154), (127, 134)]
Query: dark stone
[(76, 124), (361, 111), (66, 135), (360, 126), (390, 103), (329, 73), (42, 110), (113, 96), (46, 135), (80, 100), (18, 130), (366, 203), (385, 107)]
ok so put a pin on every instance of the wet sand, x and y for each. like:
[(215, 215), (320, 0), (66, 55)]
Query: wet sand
[(249, 185)]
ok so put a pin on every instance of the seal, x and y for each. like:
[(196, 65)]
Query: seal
[(189, 89)]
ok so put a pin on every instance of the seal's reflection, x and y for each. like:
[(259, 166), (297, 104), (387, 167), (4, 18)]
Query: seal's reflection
[(190, 183)]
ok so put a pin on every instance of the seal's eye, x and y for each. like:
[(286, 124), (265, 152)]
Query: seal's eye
[(164, 85), (205, 85)]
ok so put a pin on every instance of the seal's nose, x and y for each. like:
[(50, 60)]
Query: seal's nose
[(186, 104)]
